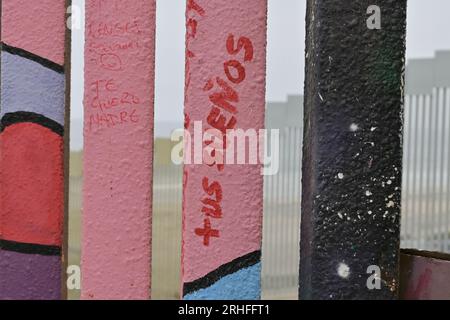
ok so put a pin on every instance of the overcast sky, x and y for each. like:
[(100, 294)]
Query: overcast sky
[(428, 28)]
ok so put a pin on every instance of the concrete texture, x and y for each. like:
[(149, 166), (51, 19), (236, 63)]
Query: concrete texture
[(230, 286), (352, 159), (30, 215), (118, 153), (36, 28), (31, 149), (221, 34), (166, 223), (41, 89), (18, 271)]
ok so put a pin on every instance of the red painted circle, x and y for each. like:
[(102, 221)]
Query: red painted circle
[(31, 180)]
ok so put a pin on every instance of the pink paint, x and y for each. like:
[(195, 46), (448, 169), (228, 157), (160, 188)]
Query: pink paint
[(222, 208), (424, 275), (32, 239), (117, 195), (27, 23), (421, 290)]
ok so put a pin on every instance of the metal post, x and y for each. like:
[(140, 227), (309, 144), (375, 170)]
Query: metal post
[(118, 150), (33, 141), (222, 203), (352, 165)]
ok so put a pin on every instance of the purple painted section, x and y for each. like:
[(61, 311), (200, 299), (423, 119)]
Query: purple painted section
[(29, 276), (29, 86)]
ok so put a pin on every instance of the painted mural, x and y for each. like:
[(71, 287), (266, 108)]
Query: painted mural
[(118, 149), (32, 113), (222, 205)]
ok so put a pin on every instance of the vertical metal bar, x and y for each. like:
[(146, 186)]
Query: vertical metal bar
[(429, 217), (270, 217), (441, 174), (407, 214), (426, 215), (352, 149), (447, 194), (433, 168), (415, 105), (436, 188), (278, 209), (406, 171), (300, 190), (410, 189), (118, 152), (421, 218), (288, 220), (266, 238), (292, 226), (274, 219), (33, 146), (298, 194), (269, 239), (265, 234), (414, 144), (222, 204), (283, 201)]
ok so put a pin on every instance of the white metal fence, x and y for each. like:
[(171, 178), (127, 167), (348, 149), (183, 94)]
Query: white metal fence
[(281, 234), (425, 207), (426, 168), (167, 198)]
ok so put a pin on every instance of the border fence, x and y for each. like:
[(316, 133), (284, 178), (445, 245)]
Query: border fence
[(352, 166), (426, 166), (425, 200)]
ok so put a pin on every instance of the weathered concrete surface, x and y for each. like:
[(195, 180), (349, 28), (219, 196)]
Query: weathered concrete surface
[(32, 130), (118, 152), (30, 212), (19, 270), (352, 149), (222, 205), (41, 89), (36, 28), (424, 275)]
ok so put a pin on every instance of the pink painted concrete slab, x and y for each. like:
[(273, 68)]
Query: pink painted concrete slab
[(219, 34), (35, 28), (117, 192), (32, 239)]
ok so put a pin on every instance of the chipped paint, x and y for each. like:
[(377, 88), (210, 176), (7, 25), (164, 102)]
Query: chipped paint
[(353, 125)]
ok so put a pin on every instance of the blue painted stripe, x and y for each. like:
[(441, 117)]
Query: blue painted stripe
[(29, 86), (244, 284)]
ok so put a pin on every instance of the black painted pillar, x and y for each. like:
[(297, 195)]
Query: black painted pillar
[(352, 149)]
